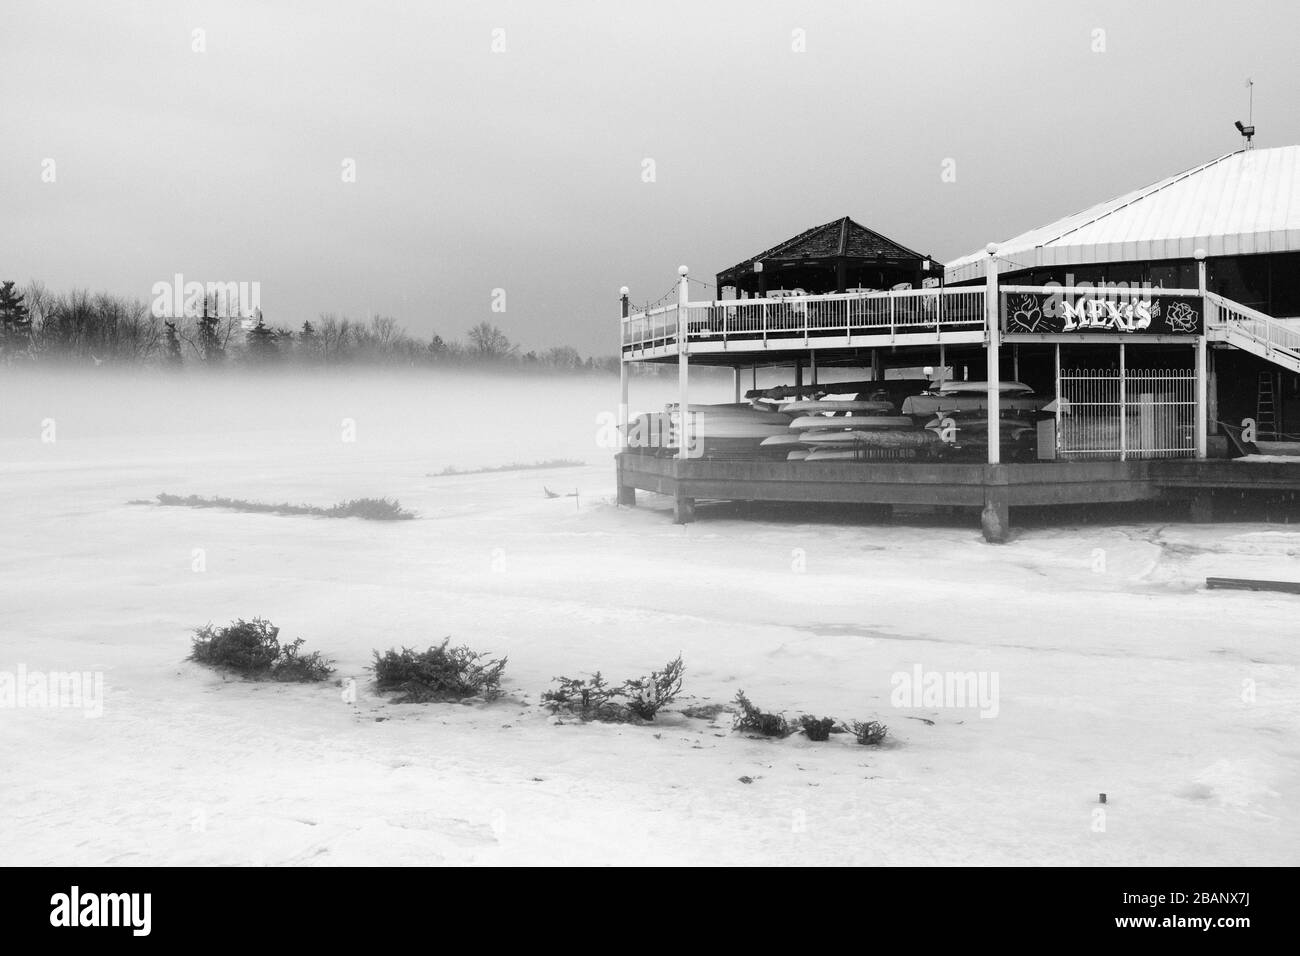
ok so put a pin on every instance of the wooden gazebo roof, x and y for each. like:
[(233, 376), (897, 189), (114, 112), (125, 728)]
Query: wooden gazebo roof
[(829, 245)]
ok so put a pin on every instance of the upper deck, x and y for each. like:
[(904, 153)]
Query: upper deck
[(840, 320), (737, 331)]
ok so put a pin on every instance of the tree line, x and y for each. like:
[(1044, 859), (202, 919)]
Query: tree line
[(79, 327)]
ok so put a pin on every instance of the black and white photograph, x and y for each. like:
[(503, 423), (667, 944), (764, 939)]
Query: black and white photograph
[(650, 434)]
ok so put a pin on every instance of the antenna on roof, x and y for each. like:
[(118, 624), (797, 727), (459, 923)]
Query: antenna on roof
[(1248, 130)]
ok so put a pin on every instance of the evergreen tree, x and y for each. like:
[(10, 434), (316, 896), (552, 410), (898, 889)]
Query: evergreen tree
[(261, 338), (171, 344), (15, 321), (308, 342), (210, 345)]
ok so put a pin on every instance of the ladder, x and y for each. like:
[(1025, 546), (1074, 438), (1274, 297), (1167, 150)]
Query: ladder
[(1265, 417)]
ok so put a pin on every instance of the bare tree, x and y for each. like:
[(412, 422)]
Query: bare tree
[(490, 342)]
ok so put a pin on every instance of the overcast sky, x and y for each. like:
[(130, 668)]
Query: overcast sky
[(523, 169)]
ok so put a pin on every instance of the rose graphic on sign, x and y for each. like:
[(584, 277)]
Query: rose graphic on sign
[(1181, 317)]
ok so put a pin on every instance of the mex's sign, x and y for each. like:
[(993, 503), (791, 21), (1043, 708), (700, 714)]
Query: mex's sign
[(1147, 313)]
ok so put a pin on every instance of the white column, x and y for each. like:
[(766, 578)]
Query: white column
[(991, 320), (1212, 393), (1123, 403), (1202, 365), (735, 381), (683, 374), (1057, 361), (1202, 391), (622, 375)]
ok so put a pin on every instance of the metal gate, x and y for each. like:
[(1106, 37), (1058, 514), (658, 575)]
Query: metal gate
[(1132, 413)]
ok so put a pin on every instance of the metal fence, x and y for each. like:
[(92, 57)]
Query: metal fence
[(1127, 413)]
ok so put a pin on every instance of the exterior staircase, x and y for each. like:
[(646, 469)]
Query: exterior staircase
[(1241, 326)]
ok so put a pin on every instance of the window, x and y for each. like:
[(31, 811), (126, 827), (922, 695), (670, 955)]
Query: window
[(1243, 279)]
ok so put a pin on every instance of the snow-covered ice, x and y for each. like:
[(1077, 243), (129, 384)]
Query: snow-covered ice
[(1117, 672)]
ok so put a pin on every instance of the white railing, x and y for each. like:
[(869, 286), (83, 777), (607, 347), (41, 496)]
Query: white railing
[(650, 329), (897, 313), (851, 313), (1264, 330)]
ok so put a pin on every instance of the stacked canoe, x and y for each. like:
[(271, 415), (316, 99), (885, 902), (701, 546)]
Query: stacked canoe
[(948, 419), (829, 430), (958, 413), (724, 431)]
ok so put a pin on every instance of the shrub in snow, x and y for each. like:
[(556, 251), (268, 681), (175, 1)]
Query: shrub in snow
[(440, 673), (758, 721), (817, 728), (253, 649), (647, 694), (590, 699), (373, 509), (871, 733), (595, 699)]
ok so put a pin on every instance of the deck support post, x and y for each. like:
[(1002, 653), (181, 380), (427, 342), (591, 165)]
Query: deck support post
[(1211, 396), (622, 375), (995, 518), (1202, 510), (1123, 403), (991, 321), (683, 371), (683, 509), (626, 493), (995, 521), (1202, 400), (735, 381), (1056, 372), (1202, 367)]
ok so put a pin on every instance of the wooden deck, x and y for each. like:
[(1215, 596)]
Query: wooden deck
[(994, 489)]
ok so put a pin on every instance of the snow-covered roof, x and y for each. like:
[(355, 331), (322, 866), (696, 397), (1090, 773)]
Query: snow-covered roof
[(1245, 202)]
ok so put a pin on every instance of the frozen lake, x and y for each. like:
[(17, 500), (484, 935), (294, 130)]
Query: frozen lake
[(1114, 671)]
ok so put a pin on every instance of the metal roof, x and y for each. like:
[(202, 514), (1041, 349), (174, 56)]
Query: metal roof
[(1245, 202)]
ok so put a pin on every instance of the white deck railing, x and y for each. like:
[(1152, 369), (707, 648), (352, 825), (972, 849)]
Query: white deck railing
[(850, 313), (652, 328), (1265, 330), (904, 312)]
